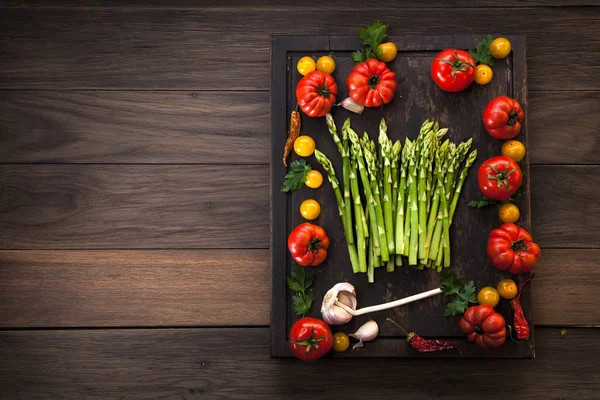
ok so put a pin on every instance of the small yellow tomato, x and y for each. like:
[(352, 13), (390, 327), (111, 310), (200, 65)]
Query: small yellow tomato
[(326, 64), (306, 65), (304, 146), (388, 51), (507, 288), (509, 213), (314, 179), (341, 342), (310, 209), (488, 295), (500, 47), (483, 74), (513, 149)]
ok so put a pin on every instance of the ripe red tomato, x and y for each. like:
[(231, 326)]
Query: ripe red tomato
[(308, 244), (316, 93), (484, 326), (512, 249), (502, 117), (372, 83), (453, 70), (499, 178), (310, 339)]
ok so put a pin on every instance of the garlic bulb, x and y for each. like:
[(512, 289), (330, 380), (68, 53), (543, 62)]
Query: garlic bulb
[(352, 105), (333, 314), (365, 333)]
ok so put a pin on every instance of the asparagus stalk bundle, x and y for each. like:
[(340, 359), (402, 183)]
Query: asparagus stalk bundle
[(397, 200)]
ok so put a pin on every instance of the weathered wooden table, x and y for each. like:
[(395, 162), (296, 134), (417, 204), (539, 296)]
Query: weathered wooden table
[(134, 201)]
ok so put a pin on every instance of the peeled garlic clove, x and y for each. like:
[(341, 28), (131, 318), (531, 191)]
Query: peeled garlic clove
[(365, 333), (352, 105), (333, 314)]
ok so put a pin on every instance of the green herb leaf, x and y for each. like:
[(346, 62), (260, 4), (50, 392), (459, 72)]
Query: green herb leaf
[(296, 176), (464, 293), (456, 307), (468, 292), (299, 283), (484, 202), (481, 54), (370, 37)]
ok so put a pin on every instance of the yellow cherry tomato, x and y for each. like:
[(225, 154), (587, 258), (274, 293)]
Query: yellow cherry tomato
[(306, 65), (483, 74), (507, 288), (513, 149), (508, 213), (341, 342), (326, 64), (310, 209), (314, 179), (304, 146), (500, 47), (488, 295), (388, 51)]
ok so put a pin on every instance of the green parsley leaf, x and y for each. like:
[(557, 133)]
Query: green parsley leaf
[(481, 54), (370, 37), (303, 297), (359, 56), (296, 176), (484, 202), (456, 307), (468, 292), (464, 293)]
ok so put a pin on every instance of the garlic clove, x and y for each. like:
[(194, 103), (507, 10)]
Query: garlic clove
[(365, 333), (344, 293), (352, 105)]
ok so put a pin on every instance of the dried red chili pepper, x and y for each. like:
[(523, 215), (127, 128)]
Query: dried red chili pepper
[(425, 345), (294, 133), (521, 324)]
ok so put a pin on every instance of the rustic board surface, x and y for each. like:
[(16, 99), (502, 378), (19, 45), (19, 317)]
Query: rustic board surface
[(417, 98)]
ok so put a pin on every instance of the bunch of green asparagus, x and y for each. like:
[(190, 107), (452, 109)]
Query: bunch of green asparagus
[(409, 194)]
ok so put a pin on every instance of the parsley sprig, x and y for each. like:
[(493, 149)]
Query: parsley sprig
[(481, 54), (370, 37), (484, 201), (465, 294), (296, 176), (303, 297)]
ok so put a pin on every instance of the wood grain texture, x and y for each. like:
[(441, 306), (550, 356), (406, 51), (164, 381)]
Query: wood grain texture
[(134, 206), (190, 363), (563, 127), (225, 127), (212, 287), (142, 206), (133, 288), (164, 48), (133, 127), (565, 206), (565, 286)]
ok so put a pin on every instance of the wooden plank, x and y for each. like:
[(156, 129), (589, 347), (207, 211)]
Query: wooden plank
[(563, 126), (134, 206), (284, 4), (134, 288), (95, 206), (188, 127), (134, 127), (210, 287), (565, 206), (570, 278), (133, 48), (232, 364)]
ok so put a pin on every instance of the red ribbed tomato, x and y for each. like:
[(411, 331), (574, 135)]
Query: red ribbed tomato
[(316, 93), (512, 249), (372, 83)]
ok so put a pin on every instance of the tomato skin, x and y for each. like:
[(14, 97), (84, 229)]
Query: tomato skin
[(316, 93), (372, 83), (306, 65), (455, 60), (502, 117), (508, 213), (388, 51), (314, 179), (507, 288), (326, 64), (483, 74), (308, 244), (310, 209), (488, 295), (341, 342), (500, 47), (310, 331), (304, 146), (484, 326), (499, 178), (512, 249), (513, 149)]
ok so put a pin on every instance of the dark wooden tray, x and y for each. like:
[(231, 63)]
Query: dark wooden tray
[(417, 98)]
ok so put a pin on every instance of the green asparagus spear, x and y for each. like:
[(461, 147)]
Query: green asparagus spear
[(461, 180), (372, 168), (413, 207), (361, 222), (386, 150)]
